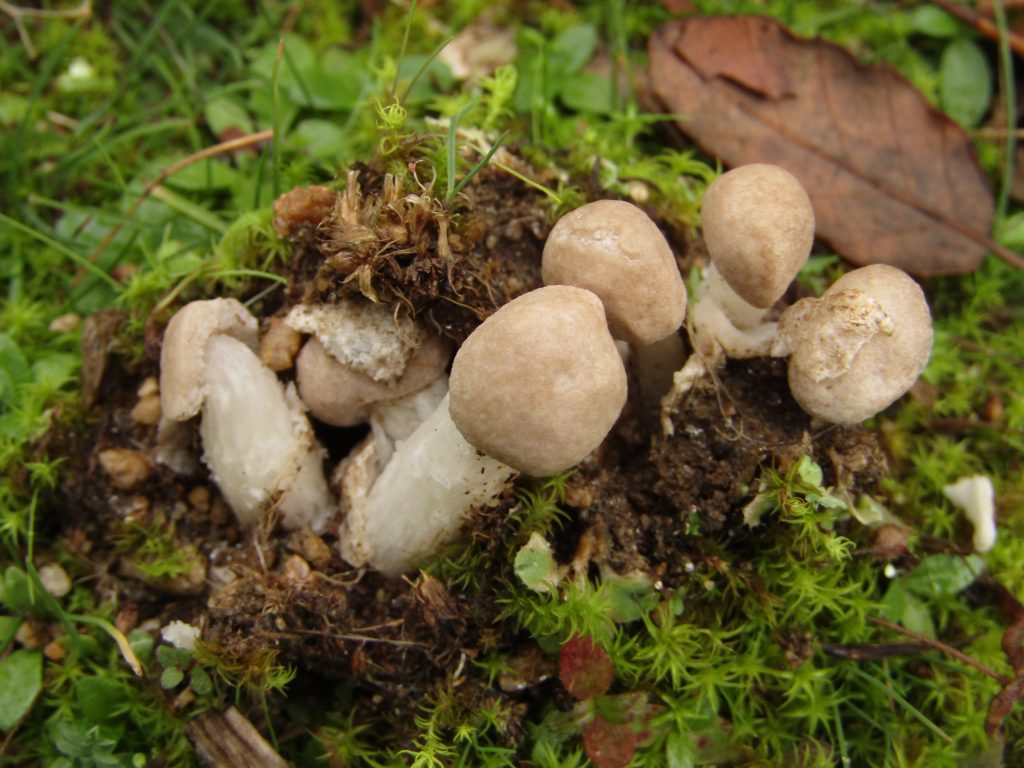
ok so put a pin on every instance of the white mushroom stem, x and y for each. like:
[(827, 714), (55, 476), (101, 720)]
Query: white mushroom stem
[(739, 313), (257, 440), (976, 497), (721, 325), (654, 366), (419, 501), (392, 421)]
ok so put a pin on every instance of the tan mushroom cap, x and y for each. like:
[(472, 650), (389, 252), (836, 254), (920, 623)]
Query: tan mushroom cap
[(759, 227), (540, 383), (612, 248), (337, 395), (183, 355), (860, 347)]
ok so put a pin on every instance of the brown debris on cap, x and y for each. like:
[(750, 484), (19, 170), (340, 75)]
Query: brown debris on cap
[(339, 395), (612, 248), (758, 225), (859, 347), (540, 383), (183, 355)]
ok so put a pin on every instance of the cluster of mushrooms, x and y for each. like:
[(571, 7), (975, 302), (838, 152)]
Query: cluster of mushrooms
[(539, 384)]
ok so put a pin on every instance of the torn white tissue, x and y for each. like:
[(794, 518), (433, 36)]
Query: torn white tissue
[(977, 498)]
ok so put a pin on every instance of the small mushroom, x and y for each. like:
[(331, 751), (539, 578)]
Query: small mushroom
[(257, 440), (183, 354), (534, 389), (758, 226), (363, 365), (342, 396), (858, 348), (612, 248)]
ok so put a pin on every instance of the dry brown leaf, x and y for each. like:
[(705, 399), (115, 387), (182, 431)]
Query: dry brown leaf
[(892, 179)]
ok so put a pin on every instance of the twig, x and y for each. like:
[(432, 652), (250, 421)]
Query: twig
[(225, 147), (17, 13), (945, 648), (983, 24)]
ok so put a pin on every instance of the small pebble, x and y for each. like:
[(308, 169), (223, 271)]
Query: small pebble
[(127, 469), (279, 345), (55, 651), (65, 323), (55, 579), (147, 411), (199, 498)]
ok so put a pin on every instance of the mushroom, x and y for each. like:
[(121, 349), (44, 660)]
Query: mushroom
[(612, 248), (758, 226), (209, 363), (362, 365), (858, 348), (342, 396), (534, 389)]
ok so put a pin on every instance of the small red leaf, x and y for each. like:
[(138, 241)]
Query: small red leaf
[(584, 668), (608, 744)]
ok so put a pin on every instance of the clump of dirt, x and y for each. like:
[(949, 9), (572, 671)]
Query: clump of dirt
[(653, 492), (640, 502)]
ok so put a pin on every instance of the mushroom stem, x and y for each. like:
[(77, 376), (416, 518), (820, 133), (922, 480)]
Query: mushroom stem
[(419, 501), (264, 461), (392, 421)]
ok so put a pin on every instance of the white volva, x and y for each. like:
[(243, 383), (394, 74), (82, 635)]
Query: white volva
[(257, 440)]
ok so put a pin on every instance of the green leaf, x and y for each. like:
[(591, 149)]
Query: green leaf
[(334, 84), (21, 678), (169, 656), (17, 596), (943, 575), (223, 113), (535, 565), (141, 643), (571, 50), (587, 92), (100, 698), (14, 368), (8, 627), (965, 82), (631, 599), (201, 682), (906, 610), (54, 369), (322, 139), (678, 752), (171, 678), (933, 22), (12, 108), (204, 175)]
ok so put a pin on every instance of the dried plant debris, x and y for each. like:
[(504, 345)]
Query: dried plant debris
[(393, 240)]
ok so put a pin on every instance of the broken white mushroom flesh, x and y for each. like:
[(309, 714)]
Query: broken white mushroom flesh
[(534, 389), (257, 440), (758, 226), (976, 497), (858, 348)]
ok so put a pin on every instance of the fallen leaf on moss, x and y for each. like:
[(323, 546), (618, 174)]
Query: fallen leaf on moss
[(892, 179)]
